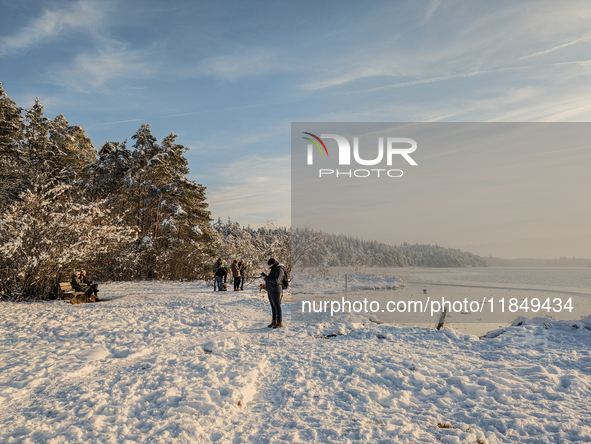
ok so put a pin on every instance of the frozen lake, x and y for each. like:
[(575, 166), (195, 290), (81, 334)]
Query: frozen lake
[(560, 279), (499, 296)]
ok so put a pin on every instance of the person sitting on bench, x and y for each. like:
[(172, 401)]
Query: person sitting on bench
[(78, 285), (86, 281)]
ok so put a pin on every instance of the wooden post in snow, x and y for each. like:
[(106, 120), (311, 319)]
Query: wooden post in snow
[(346, 282), (441, 320)]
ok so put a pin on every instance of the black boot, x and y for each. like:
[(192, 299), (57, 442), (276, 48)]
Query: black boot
[(272, 324)]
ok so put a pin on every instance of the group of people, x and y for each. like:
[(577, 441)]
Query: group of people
[(238, 270), (80, 282), (274, 281)]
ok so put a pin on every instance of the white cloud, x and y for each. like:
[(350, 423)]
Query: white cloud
[(243, 63), (250, 187), (341, 79), (82, 15), (92, 70), (113, 123), (556, 48), (423, 81), (253, 189), (104, 59), (231, 142), (463, 43), (432, 8), (576, 62)]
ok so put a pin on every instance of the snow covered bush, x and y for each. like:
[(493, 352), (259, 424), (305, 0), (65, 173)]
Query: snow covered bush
[(46, 233)]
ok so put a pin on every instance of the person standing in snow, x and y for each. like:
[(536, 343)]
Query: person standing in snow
[(236, 275), (220, 278), (273, 282), (217, 264), (242, 269), (86, 281)]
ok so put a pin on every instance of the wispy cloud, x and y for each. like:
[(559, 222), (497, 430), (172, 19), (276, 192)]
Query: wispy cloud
[(261, 136), (261, 190), (96, 67), (113, 123), (105, 57), (527, 104), (432, 8), (82, 15), (341, 79), (556, 48), (466, 44), (230, 108), (575, 62), (422, 81), (244, 62)]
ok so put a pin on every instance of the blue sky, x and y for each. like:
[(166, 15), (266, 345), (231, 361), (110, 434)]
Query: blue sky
[(229, 77)]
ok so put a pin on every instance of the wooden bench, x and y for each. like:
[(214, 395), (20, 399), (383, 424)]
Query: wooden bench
[(76, 297)]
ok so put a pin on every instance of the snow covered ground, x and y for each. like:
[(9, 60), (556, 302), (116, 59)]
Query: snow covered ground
[(176, 362)]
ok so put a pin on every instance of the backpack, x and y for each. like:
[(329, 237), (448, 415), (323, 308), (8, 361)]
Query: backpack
[(285, 280)]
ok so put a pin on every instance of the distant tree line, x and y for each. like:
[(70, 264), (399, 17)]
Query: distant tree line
[(346, 251)]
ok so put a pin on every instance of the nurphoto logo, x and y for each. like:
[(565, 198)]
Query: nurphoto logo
[(394, 146)]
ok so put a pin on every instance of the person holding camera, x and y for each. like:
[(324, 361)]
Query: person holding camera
[(274, 284)]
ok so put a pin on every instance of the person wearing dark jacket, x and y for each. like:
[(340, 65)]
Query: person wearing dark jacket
[(236, 275), (216, 265), (86, 281), (220, 277), (274, 290), (78, 285), (242, 268)]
